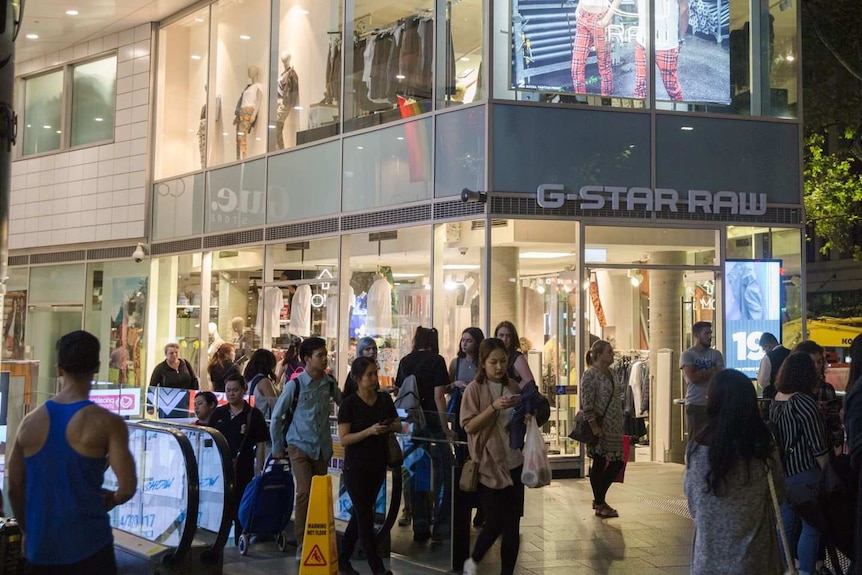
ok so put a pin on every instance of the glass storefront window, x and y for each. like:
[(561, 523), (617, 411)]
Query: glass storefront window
[(178, 209), (389, 283), (15, 315), (389, 67), (675, 246), (459, 156), (302, 298), (306, 73), (295, 192), (460, 57), (389, 166), (94, 94), (236, 196), (175, 309), (239, 100), (181, 109), (43, 113)]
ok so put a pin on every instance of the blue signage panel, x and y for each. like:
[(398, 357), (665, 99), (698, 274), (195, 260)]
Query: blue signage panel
[(752, 306)]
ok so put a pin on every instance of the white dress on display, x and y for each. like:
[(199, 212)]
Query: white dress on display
[(379, 318), (332, 309), (300, 311), (269, 307)]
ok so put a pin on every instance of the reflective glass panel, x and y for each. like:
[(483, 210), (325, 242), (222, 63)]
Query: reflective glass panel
[(94, 94), (43, 113)]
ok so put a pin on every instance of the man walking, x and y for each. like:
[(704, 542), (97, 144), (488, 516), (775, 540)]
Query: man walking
[(671, 26), (309, 440), (771, 363), (57, 467), (698, 364)]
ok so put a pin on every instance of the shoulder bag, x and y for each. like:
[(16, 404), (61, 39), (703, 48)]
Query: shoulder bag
[(582, 431)]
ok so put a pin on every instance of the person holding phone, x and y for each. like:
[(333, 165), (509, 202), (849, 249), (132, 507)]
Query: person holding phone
[(365, 420)]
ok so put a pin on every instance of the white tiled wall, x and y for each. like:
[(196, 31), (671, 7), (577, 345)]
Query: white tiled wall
[(96, 193)]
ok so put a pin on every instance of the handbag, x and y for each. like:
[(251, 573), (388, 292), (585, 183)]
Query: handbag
[(582, 431), (394, 455), (469, 481), (788, 556)]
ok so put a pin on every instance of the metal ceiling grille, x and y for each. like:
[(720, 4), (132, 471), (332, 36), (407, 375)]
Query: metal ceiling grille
[(119, 253), (58, 257), (234, 238), (303, 229), (495, 223), (176, 246), (457, 210), (386, 218)]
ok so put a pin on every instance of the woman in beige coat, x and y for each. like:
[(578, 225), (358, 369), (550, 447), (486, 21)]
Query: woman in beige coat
[(486, 409)]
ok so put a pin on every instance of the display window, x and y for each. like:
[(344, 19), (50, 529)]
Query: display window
[(15, 315), (239, 92), (175, 309), (306, 86), (389, 281), (673, 246), (780, 42), (389, 64), (460, 62), (181, 96), (302, 295)]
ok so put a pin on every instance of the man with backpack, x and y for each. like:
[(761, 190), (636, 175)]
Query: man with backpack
[(303, 410)]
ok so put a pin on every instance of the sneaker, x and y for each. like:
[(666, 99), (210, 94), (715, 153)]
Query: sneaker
[(470, 567), (405, 519)]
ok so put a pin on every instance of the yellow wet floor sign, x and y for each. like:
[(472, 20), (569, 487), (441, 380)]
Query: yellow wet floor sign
[(319, 548)]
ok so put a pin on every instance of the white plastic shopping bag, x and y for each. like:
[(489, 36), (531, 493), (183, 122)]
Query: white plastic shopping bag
[(537, 469)]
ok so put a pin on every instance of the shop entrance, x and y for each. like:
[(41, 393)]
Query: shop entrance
[(47, 324)]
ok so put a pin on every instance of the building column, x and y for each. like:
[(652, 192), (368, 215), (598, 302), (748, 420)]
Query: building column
[(505, 287)]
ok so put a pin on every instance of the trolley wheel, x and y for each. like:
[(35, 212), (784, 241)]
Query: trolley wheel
[(281, 540), (243, 544)]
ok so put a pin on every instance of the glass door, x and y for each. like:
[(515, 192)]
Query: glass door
[(47, 324)]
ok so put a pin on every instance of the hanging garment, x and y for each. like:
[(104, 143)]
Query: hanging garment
[(300, 311), (269, 312), (379, 317)]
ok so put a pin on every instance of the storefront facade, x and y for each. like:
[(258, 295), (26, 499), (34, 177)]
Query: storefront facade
[(307, 178)]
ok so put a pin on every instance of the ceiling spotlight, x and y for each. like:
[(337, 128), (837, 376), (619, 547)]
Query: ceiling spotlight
[(465, 59), (71, 12), (195, 57), (636, 278), (32, 36), (244, 37), (199, 19)]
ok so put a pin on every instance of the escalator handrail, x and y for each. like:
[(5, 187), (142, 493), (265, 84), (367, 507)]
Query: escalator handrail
[(227, 473), (193, 487)]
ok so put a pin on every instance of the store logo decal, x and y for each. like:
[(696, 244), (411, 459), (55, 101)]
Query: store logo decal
[(551, 196), (233, 208)]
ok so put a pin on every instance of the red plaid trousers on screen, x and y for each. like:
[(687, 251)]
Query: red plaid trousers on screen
[(666, 61), (589, 31)]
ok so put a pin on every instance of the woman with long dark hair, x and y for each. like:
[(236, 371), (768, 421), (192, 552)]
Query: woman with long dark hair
[(261, 378), (463, 368), (802, 434), (485, 413), (726, 484), (222, 364), (518, 368), (205, 404), (602, 403), (365, 419)]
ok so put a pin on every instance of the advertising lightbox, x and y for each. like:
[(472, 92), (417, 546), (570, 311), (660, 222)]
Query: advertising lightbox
[(752, 291)]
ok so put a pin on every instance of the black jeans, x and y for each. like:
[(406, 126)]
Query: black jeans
[(602, 474), (102, 562), (362, 485), (503, 509)]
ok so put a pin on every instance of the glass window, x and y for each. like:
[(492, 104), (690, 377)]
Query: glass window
[(780, 43), (389, 166), (238, 103), (43, 113), (181, 110), (389, 68), (178, 208), (307, 74), (460, 62), (296, 192), (459, 157), (605, 244), (236, 197), (303, 298), (175, 311), (15, 314), (115, 312), (57, 284), (94, 94)]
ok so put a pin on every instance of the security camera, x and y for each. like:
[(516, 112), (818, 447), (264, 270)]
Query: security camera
[(140, 253), (463, 251), (468, 195)]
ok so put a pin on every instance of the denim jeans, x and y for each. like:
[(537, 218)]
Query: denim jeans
[(804, 542)]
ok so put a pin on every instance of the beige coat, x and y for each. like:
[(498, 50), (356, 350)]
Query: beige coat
[(486, 445)]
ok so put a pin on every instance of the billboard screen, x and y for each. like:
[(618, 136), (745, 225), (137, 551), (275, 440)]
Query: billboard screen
[(752, 294), (601, 47)]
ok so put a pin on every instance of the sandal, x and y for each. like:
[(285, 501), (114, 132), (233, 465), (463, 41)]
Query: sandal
[(605, 511)]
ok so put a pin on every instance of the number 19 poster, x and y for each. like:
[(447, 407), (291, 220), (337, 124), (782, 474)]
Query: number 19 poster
[(752, 306)]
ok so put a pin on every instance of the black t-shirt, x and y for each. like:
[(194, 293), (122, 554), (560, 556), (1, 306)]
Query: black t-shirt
[(430, 371), (218, 373), (183, 377), (370, 453), (232, 428)]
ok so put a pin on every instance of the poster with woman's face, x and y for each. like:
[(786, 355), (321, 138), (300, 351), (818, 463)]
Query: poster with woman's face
[(14, 317), (601, 47)]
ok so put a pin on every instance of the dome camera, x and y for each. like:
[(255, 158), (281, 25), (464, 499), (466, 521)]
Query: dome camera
[(140, 253)]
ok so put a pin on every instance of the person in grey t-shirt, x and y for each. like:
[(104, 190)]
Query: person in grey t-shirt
[(698, 364)]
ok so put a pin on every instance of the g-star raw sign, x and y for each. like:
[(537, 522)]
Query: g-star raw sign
[(597, 197)]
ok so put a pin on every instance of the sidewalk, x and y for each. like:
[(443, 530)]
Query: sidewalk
[(561, 535)]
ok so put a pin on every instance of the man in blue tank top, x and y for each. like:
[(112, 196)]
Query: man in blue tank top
[(57, 467)]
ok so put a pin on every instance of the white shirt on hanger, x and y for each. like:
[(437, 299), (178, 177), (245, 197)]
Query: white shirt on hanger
[(379, 306), (300, 311), (269, 307)]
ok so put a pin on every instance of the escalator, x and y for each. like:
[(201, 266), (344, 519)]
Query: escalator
[(179, 519)]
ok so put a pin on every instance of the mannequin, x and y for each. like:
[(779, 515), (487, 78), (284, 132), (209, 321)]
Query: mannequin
[(215, 339), (202, 133), (287, 91), (245, 113), (379, 317)]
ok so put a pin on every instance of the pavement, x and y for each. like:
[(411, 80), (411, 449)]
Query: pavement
[(560, 535)]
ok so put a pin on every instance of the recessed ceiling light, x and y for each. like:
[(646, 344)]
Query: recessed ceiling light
[(465, 59), (400, 138), (543, 255), (199, 19), (71, 12), (461, 267), (59, 132), (359, 148), (98, 119), (297, 107), (400, 76), (687, 128), (195, 57), (47, 127), (244, 37), (32, 36)]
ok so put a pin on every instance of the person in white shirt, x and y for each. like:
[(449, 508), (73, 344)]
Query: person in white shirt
[(670, 22)]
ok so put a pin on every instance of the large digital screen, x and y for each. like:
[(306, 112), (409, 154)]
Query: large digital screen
[(752, 295), (600, 47)]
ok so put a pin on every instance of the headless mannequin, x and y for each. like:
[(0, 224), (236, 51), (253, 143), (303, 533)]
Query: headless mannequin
[(245, 114), (215, 338), (202, 133), (287, 91)]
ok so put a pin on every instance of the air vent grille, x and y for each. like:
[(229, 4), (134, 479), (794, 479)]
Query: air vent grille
[(234, 238), (495, 223), (303, 229), (58, 257), (458, 210), (176, 246), (386, 218), (19, 260), (120, 253)]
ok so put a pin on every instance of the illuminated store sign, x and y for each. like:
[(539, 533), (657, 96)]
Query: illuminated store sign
[(552, 196)]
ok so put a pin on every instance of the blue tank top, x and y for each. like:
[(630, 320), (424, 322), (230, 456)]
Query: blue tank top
[(66, 517)]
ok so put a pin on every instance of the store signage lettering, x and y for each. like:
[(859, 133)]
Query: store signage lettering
[(552, 196), (231, 207)]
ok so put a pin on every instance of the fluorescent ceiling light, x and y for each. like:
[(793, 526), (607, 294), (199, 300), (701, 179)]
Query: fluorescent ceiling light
[(461, 267), (71, 12), (687, 128), (244, 37), (406, 275), (465, 59), (199, 19), (543, 255), (195, 57), (98, 119), (32, 36)]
